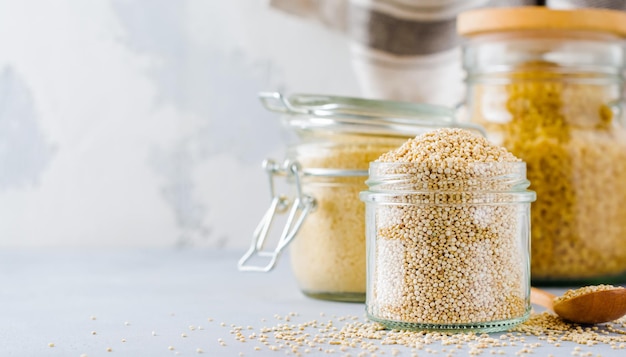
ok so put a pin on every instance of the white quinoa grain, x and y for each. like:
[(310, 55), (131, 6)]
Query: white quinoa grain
[(51, 344)]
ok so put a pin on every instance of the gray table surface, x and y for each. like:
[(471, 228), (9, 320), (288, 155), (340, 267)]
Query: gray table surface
[(143, 303)]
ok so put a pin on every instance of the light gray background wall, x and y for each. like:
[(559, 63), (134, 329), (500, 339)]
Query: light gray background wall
[(136, 123)]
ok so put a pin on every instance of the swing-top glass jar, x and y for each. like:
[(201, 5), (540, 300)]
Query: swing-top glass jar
[(337, 138), (548, 85)]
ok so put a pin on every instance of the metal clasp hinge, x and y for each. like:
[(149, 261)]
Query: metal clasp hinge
[(297, 209)]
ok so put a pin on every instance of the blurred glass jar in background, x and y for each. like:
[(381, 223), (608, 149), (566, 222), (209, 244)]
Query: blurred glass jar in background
[(548, 86)]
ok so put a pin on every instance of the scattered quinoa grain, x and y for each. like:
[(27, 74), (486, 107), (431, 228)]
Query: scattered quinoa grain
[(359, 337), (51, 344)]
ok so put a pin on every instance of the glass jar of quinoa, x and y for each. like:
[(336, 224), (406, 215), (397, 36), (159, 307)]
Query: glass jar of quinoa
[(448, 218), (326, 168), (548, 85)]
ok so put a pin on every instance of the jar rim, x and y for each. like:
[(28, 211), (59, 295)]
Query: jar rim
[(430, 198), (490, 20), (415, 177)]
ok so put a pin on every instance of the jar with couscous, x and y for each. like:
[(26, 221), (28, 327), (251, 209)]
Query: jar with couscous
[(326, 166), (548, 85)]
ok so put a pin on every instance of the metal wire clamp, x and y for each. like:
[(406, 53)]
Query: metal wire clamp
[(301, 206)]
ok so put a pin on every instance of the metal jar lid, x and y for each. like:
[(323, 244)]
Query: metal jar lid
[(313, 112)]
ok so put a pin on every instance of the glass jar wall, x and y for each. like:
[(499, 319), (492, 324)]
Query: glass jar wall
[(448, 249), (548, 86), (328, 255)]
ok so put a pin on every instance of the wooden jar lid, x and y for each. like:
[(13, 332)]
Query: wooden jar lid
[(540, 18)]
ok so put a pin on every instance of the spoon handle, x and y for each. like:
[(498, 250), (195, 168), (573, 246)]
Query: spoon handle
[(542, 298)]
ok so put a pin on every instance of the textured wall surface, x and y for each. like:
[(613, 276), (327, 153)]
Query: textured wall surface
[(136, 123)]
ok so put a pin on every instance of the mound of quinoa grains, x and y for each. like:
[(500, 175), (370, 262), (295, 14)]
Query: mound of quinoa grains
[(572, 293), (449, 253), (575, 149)]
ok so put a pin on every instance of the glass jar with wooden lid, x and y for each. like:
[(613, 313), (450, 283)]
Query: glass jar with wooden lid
[(548, 85)]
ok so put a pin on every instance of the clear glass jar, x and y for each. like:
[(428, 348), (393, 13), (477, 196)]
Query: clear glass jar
[(548, 86), (451, 255), (337, 138)]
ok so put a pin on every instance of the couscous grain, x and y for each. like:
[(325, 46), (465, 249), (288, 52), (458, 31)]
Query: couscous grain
[(574, 145), (328, 254)]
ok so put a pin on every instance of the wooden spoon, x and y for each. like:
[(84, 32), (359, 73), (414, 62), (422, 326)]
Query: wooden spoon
[(591, 308)]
